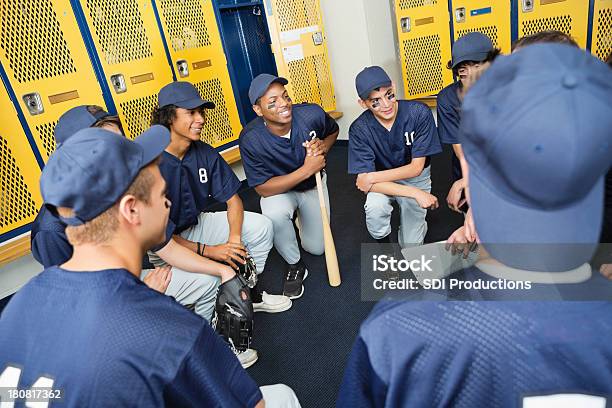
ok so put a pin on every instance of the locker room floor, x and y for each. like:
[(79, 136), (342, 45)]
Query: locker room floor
[(307, 346)]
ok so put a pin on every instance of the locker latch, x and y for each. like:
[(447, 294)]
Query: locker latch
[(183, 68), (118, 82), (34, 103), (460, 15), (527, 5), (317, 38), (405, 24)]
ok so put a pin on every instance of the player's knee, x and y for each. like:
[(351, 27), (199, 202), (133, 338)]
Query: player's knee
[(314, 248), (376, 208)]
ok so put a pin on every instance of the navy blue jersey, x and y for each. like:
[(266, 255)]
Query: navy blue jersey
[(374, 148), (49, 243), (265, 155), (449, 117), (105, 339), (195, 181), (478, 354)]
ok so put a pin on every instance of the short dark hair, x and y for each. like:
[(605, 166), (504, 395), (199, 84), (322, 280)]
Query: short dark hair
[(547, 36), (491, 55), (164, 116), (109, 119), (609, 60)]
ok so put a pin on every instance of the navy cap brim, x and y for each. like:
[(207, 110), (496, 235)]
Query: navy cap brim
[(153, 142), (476, 56), (537, 240), (365, 95), (195, 103)]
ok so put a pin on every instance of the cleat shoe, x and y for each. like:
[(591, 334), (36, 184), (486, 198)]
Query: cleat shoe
[(247, 357), (293, 287), (272, 303)]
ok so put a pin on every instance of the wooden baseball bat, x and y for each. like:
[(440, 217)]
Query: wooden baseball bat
[(331, 259)]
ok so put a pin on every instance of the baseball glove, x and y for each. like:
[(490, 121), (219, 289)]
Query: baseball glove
[(233, 317), (249, 272)]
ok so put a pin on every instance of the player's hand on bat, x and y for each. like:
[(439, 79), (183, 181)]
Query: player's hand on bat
[(458, 243), (364, 182), (453, 199), (606, 270), (231, 253), (426, 200), (312, 164), (159, 278), (315, 147)]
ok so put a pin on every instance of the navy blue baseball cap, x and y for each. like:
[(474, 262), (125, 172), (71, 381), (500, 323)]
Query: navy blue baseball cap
[(74, 120), (261, 83), (369, 79), (536, 132), (182, 94), (95, 167), (471, 47)]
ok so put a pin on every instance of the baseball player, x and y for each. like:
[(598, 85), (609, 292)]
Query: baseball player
[(520, 353), (468, 53), (390, 145), (50, 245), (88, 330), (282, 150), (197, 176)]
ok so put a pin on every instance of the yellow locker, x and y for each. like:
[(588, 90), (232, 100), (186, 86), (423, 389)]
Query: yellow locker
[(568, 16), (47, 64), (300, 50), (490, 17), (20, 172), (131, 51), (193, 38), (601, 36), (424, 45)]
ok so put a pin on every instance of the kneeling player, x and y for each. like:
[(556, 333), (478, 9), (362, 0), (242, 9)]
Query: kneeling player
[(389, 148), (282, 150)]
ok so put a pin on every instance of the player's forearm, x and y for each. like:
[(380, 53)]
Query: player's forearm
[(192, 246), (235, 216), (395, 189), (181, 257), (329, 141), (411, 170), (458, 151), (282, 184)]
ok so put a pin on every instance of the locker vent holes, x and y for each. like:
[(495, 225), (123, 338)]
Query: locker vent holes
[(45, 135), (120, 30), (294, 14), (423, 64), (32, 40), (16, 203), (603, 42), (408, 4), (311, 81), (560, 23), (186, 23), (217, 128), (489, 31), (137, 114)]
